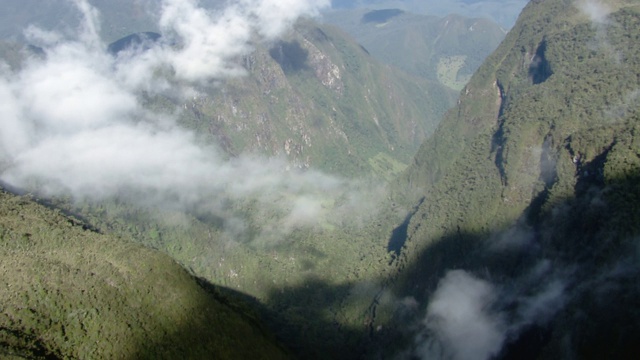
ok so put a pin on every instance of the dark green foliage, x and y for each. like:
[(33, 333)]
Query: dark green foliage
[(73, 293), (302, 283), (544, 141)]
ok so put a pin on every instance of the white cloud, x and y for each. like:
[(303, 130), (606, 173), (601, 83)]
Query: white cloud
[(470, 318), (71, 91), (72, 122), (597, 11), (208, 41), (207, 44), (90, 26), (15, 132), (275, 16), (461, 320)]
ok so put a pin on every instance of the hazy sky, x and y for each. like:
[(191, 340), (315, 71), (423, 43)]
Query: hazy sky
[(504, 12), (50, 14)]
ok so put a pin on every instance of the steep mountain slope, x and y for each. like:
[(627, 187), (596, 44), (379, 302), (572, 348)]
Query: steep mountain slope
[(447, 49), (529, 185), (68, 292), (295, 241), (321, 101), (317, 99), (314, 97)]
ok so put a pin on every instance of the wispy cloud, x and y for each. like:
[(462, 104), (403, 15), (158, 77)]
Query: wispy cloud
[(597, 11), (460, 321), (598, 14), (472, 318), (73, 122)]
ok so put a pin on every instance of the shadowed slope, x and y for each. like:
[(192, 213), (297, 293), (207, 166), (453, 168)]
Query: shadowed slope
[(530, 184)]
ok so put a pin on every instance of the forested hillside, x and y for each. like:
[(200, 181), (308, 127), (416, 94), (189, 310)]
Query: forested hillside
[(214, 156), (69, 292), (319, 100), (529, 192), (513, 233)]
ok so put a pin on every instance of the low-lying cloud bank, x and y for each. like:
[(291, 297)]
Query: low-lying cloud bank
[(73, 122), (461, 321), (492, 312), (472, 318)]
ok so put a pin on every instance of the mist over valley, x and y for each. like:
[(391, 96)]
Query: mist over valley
[(294, 179)]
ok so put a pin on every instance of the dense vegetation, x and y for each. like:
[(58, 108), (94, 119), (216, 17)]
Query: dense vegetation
[(68, 292), (318, 99), (541, 155), (530, 183)]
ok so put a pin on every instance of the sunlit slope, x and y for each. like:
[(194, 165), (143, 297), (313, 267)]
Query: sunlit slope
[(314, 96), (321, 101), (557, 78), (68, 292)]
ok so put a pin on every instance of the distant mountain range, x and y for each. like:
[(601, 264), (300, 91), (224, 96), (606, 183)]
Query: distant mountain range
[(503, 12), (315, 97), (322, 101), (447, 49)]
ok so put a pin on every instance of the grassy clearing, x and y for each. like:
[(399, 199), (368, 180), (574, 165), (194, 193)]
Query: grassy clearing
[(386, 167), (448, 68)]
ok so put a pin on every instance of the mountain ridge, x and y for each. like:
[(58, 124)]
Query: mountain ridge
[(325, 100), (445, 49), (531, 168)]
